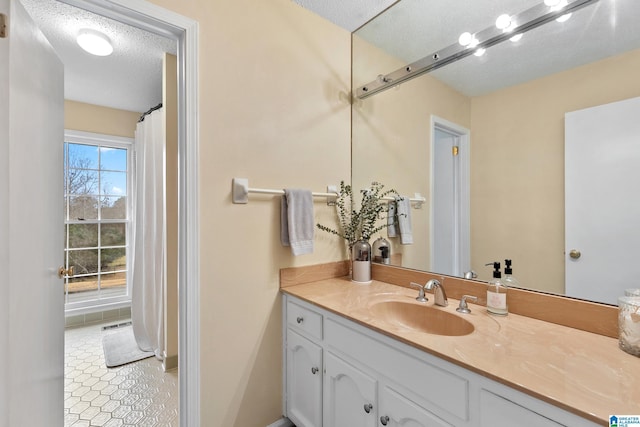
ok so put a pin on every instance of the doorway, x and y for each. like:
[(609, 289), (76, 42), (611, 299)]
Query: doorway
[(449, 231), (158, 20)]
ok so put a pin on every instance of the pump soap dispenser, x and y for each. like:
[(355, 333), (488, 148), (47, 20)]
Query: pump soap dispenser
[(497, 293), (509, 280)]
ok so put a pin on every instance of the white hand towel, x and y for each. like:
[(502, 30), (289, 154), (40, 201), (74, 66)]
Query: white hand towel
[(392, 224), (297, 222), (404, 220)]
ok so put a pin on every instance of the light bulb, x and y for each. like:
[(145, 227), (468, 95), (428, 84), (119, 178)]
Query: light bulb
[(465, 39), (480, 52), (503, 22), (555, 5), (564, 17), (516, 38), (474, 42), (94, 42)]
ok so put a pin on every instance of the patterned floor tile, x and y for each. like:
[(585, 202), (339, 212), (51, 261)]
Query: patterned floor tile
[(139, 394)]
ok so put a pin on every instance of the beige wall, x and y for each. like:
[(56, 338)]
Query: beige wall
[(271, 75), (392, 139), (170, 111), (518, 162), (93, 118)]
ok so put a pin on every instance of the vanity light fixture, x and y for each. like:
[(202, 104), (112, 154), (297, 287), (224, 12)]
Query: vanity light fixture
[(94, 42), (465, 39), (507, 24), (504, 23), (555, 5), (508, 27)]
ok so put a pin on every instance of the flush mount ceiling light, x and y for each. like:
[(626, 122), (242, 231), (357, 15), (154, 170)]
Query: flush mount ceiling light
[(94, 42)]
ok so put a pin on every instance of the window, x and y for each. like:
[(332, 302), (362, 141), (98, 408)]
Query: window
[(97, 212)]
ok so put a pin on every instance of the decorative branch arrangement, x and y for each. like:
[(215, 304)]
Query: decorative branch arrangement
[(362, 223)]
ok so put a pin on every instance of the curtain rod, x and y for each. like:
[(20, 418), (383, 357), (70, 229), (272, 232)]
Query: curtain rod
[(151, 110)]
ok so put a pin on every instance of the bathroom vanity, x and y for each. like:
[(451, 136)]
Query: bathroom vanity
[(350, 363)]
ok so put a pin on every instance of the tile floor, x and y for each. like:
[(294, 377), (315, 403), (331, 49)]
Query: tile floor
[(137, 394)]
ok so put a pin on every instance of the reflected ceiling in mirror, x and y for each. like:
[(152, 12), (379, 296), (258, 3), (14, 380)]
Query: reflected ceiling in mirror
[(413, 29)]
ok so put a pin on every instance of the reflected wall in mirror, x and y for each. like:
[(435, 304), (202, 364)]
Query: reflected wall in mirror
[(513, 102)]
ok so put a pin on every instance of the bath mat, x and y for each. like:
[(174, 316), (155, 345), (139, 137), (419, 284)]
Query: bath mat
[(120, 348)]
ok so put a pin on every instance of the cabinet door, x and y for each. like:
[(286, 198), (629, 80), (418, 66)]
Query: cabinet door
[(396, 410), (496, 411), (304, 381), (350, 395)]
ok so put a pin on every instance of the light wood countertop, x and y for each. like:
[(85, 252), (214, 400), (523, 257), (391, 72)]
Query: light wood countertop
[(581, 372)]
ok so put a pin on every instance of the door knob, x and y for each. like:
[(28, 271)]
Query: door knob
[(575, 254), (63, 272)]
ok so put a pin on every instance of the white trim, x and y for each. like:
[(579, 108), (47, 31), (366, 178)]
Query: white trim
[(97, 309), (145, 15), (93, 138), (282, 422), (462, 246)]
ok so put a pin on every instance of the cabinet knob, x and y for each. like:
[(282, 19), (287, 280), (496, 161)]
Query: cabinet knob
[(368, 407), (314, 370), (384, 420), (300, 319)]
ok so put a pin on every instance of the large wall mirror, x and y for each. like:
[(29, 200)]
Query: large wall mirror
[(483, 138)]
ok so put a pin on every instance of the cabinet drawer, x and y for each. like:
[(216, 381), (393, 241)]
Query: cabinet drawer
[(442, 390), (304, 320)]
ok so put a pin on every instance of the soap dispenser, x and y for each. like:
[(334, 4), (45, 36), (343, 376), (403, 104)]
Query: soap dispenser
[(497, 293), (509, 280)]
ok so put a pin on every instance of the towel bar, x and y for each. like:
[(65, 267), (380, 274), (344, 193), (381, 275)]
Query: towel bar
[(241, 192)]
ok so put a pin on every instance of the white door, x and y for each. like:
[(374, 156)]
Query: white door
[(30, 218), (602, 207), (450, 233)]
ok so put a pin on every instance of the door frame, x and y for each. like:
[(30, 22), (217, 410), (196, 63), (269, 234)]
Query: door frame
[(462, 243), (158, 20)]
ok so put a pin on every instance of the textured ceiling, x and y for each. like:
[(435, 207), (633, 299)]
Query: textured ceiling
[(348, 14), (129, 79)]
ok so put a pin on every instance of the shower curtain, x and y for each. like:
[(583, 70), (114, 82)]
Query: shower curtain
[(148, 265)]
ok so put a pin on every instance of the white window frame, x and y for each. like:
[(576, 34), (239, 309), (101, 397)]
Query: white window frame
[(96, 139)]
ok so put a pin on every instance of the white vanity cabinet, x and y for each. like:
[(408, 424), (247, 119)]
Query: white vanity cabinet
[(367, 379)]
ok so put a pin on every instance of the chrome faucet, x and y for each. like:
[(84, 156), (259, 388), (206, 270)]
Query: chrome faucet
[(440, 297), (421, 288)]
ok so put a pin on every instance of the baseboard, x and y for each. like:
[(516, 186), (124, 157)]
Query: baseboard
[(282, 422), (170, 362)]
